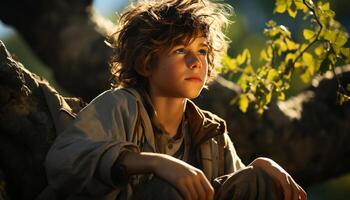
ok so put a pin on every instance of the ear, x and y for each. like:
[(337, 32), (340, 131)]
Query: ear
[(143, 70)]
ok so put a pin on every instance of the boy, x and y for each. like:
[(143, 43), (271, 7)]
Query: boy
[(144, 139)]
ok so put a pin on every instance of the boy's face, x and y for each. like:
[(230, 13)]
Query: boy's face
[(182, 71)]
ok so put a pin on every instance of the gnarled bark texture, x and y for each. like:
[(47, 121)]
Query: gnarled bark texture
[(65, 36)]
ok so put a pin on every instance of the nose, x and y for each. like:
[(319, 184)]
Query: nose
[(193, 61)]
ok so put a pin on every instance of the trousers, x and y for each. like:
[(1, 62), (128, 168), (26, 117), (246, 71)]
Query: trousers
[(248, 183)]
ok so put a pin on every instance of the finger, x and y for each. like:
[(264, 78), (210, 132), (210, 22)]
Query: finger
[(209, 190), (200, 188), (192, 189), (294, 188), (184, 190), (302, 193), (287, 190)]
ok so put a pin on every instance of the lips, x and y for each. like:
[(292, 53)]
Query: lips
[(193, 78)]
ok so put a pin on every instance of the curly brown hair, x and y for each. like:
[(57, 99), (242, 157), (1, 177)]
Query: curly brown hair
[(149, 27)]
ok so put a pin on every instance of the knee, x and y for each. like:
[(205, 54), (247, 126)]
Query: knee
[(156, 188), (249, 183)]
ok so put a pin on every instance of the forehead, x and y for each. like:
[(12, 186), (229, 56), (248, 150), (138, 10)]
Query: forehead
[(199, 41)]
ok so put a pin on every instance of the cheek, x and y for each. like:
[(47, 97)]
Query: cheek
[(174, 67), (168, 71), (205, 67)]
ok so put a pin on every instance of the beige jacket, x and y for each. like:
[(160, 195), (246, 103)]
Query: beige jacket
[(81, 157)]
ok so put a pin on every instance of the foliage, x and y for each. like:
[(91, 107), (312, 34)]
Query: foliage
[(321, 50)]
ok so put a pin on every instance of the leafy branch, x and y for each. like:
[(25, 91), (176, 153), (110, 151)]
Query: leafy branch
[(322, 48)]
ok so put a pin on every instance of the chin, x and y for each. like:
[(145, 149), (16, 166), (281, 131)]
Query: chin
[(193, 95)]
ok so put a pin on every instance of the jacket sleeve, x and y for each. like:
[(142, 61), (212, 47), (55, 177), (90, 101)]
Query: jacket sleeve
[(81, 157), (232, 161)]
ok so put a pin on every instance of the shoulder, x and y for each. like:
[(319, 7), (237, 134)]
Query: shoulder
[(112, 102), (114, 98), (119, 95)]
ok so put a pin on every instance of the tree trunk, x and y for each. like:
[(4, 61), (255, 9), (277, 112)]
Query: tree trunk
[(65, 36), (26, 129)]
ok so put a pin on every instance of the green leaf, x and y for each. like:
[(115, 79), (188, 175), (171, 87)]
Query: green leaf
[(290, 57), (281, 96), (292, 12), (308, 60), (324, 6), (330, 35), (264, 56), (345, 52), (229, 64), (319, 51), (241, 59), (300, 5), (281, 45), (244, 57), (342, 38), (243, 103), (271, 23), (268, 98), (249, 69), (308, 34), (271, 74), (305, 77), (303, 46), (291, 45), (260, 110), (309, 67), (280, 6)]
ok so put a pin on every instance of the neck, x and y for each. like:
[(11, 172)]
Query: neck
[(169, 112)]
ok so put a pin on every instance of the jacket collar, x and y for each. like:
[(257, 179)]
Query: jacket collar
[(203, 125)]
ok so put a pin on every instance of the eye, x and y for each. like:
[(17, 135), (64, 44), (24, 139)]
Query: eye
[(179, 51), (203, 52)]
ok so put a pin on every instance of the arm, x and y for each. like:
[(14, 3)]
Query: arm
[(80, 158), (291, 190), (190, 181)]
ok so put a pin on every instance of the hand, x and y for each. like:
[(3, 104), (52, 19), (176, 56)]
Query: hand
[(291, 190), (190, 181)]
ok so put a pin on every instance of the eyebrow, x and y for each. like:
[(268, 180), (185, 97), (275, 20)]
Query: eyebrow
[(204, 45)]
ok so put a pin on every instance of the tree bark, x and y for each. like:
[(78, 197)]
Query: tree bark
[(26, 129), (65, 36)]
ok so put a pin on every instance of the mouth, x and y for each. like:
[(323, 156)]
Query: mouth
[(193, 78)]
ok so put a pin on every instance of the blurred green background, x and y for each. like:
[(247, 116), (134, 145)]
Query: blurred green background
[(246, 32)]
